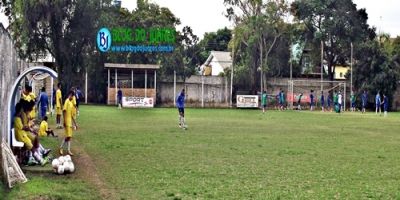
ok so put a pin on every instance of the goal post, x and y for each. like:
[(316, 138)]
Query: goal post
[(297, 87)]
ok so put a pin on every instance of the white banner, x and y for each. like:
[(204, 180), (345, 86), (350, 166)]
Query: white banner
[(137, 102), (247, 101)]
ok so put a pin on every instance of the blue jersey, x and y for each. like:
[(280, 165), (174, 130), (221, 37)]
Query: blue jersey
[(364, 99), (312, 97), (385, 103), (119, 94), (322, 99), (43, 100), (180, 101), (378, 99)]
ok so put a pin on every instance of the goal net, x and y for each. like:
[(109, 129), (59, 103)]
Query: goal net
[(298, 87), (11, 170)]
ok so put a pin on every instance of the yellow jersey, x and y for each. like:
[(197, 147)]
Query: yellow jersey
[(68, 108), (44, 126), (58, 98), (20, 134)]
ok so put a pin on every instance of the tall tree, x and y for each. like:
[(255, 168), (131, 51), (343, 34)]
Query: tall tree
[(259, 25), (62, 28), (336, 24), (377, 67)]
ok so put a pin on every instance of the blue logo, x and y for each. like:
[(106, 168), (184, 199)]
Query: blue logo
[(104, 39)]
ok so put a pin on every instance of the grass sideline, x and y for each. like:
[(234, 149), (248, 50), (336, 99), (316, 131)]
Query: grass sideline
[(234, 154)]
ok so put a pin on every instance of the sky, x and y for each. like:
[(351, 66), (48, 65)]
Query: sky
[(207, 15)]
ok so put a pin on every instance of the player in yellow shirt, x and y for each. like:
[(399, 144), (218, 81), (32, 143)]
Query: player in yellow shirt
[(44, 128), (69, 121), (30, 141), (58, 105)]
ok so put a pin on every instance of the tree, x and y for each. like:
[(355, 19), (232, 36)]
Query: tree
[(377, 67), (259, 26), (336, 24), (62, 28)]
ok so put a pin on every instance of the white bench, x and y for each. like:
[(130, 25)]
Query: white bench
[(15, 142)]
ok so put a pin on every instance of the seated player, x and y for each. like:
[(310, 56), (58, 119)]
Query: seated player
[(44, 128)]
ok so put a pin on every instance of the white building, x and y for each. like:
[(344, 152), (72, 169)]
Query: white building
[(218, 60)]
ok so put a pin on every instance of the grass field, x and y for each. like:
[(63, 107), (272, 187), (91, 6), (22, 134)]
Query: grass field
[(228, 154)]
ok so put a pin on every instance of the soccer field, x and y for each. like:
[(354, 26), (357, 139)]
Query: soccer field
[(233, 154)]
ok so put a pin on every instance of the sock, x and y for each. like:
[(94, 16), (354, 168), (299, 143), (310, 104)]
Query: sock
[(180, 120), (69, 146), (62, 144), (183, 121), (37, 157)]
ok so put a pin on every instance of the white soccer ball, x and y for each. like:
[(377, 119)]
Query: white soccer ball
[(67, 158), (61, 160), (60, 169), (55, 163), (71, 167), (66, 167)]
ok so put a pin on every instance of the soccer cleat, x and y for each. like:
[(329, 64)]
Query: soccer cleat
[(60, 151), (46, 152), (44, 161)]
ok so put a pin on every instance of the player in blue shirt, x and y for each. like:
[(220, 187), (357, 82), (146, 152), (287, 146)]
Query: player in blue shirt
[(119, 98), (329, 100), (378, 103), (385, 105), (322, 101), (312, 100), (43, 102), (364, 101), (180, 104)]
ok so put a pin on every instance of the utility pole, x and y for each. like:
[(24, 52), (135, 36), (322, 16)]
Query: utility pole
[(322, 65), (351, 68)]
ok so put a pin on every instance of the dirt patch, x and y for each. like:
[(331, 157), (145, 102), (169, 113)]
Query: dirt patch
[(86, 169)]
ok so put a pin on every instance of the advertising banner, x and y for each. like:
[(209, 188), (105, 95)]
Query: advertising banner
[(138, 102), (247, 101)]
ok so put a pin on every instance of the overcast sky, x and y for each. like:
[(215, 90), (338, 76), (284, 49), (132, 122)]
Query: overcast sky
[(207, 15)]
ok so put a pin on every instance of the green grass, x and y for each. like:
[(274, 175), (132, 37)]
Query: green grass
[(235, 154)]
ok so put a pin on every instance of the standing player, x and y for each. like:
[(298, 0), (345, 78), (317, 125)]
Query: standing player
[(353, 102), (378, 103), (119, 97), (58, 105), (68, 120), (299, 101), (322, 101), (364, 101), (385, 105), (180, 104), (43, 103), (312, 100), (282, 99), (79, 97), (329, 102), (264, 101), (340, 100)]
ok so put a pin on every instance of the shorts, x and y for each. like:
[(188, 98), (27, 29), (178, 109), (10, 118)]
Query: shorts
[(264, 106), (77, 103), (181, 110), (68, 131), (312, 103), (58, 111), (353, 105)]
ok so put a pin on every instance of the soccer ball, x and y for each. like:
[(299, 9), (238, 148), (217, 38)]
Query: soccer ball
[(55, 163), (61, 160), (60, 169), (67, 158), (71, 167), (66, 167)]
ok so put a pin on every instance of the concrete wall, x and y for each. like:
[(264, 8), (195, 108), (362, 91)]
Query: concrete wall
[(216, 91), (9, 68)]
